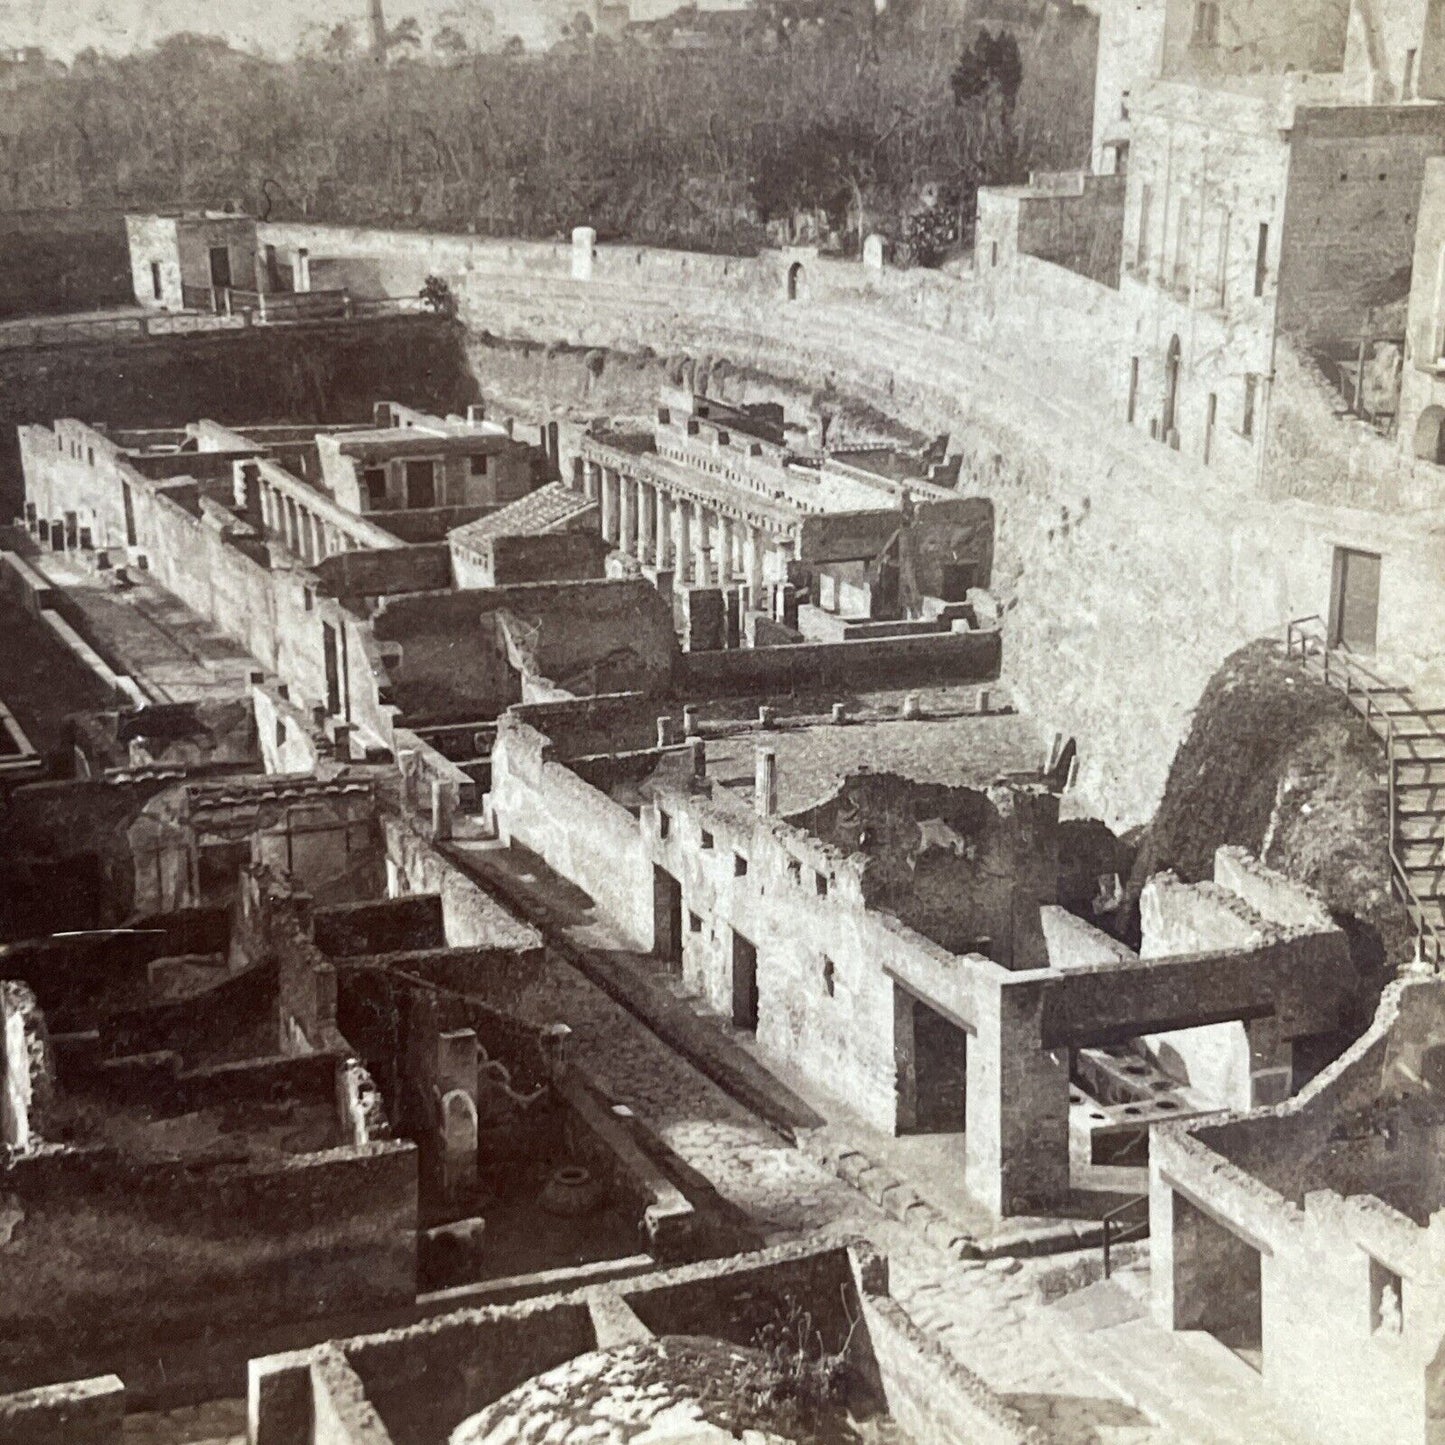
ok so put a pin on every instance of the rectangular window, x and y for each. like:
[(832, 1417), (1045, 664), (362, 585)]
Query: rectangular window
[(694, 923), (1387, 1300), (820, 884), (479, 466), (830, 977), (740, 866), (1133, 388), (706, 839), (421, 484), (156, 279), (374, 480), (664, 823), (1221, 260), (1141, 244), (1261, 259), (1251, 383), (993, 252)]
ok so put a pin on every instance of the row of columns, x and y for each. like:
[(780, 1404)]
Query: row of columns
[(702, 546), (305, 533)]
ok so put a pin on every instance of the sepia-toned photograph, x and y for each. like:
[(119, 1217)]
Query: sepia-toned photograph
[(722, 722)]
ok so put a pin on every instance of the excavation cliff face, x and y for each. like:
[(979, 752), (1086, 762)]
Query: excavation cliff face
[(1276, 762)]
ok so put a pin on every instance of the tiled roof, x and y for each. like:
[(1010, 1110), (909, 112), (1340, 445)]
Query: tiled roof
[(538, 511)]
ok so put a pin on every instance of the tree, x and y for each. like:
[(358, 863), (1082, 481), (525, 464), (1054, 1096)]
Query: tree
[(991, 65), (450, 41), (340, 41), (437, 296), (407, 33)]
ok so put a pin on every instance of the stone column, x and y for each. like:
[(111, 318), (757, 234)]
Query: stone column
[(682, 539), (591, 480), (753, 566), (627, 538), (662, 528), (610, 482), (723, 549), (646, 518), (699, 545)]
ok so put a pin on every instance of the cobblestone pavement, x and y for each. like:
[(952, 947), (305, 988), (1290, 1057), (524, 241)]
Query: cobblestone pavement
[(987, 1316)]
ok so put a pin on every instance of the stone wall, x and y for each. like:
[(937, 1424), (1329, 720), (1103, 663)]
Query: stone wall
[(1322, 1257), (423, 1381), (107, 1255), (79, 1412)]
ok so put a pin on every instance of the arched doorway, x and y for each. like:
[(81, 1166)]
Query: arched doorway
[(1171, 389), (797, 281), (1430, 435)]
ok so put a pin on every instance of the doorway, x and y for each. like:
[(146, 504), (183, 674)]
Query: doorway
[(1354, 600), (1171, 391), (667, 918), (333, 669), (940, 1064), (796, 280), (421, 486), (221, 267), (1218, 1281), (745, 983)]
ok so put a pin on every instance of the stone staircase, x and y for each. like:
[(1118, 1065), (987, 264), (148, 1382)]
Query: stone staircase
[(1413, 739)]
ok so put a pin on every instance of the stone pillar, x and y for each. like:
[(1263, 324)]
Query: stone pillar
[(682, 539), (303, 269), (610, 482), (1017, 1104), (699, 545), (590, 484), (627, 537), (584, 252), (662, 529), (646, 519), (723, 550), (753, 566)]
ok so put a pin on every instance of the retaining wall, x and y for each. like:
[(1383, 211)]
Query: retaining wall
[(1112, 550)]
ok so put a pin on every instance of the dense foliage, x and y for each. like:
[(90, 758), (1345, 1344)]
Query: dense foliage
[(694, 147)]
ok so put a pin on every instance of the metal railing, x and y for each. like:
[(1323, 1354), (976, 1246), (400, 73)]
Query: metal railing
[(1307, 639), (1128, 1222)]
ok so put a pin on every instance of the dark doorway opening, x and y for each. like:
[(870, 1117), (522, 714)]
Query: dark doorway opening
[(333, 669), (940, 1062), (745, 983), (1171, 391), (156, 280), (421, 485), (374, 480), (796, 280), (1217, 1282), (128, 503), (221, 267), (667, 918), (1354, 600), (218, 870)]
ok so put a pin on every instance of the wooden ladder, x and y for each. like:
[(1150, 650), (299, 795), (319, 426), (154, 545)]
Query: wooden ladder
[(1413, 739)]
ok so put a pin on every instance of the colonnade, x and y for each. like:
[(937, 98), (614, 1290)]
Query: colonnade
[(310, 536), (702, 545)]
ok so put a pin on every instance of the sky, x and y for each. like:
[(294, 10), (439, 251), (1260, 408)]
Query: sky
[(274, 27)]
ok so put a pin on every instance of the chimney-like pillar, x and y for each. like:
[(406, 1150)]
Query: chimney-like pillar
[(765, 788)]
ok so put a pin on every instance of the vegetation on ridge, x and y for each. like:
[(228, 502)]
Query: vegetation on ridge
[(685, 147)]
